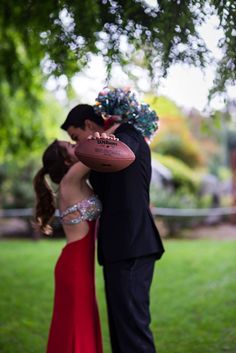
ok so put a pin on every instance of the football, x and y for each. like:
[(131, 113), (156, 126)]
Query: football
[(105, 155)]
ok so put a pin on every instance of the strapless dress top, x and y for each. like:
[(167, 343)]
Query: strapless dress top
[(89, 209)]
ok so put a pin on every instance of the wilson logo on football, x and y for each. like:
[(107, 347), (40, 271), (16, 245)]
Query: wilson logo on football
[(106, 142)]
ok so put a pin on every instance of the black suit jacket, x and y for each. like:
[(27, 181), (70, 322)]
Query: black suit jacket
[(126, 226)]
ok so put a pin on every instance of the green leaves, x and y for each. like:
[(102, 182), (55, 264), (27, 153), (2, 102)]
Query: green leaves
[(67, 31), (39, 39)]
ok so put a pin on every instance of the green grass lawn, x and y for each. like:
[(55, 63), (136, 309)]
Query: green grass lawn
[(193, 296)]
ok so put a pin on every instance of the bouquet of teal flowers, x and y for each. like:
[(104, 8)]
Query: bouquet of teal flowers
[(122, 106)]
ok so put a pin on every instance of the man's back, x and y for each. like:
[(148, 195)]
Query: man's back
[(126, 227)]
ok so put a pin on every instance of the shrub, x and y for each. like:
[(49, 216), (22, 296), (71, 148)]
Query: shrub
[(183, 176), (174, 136), (179, 199)]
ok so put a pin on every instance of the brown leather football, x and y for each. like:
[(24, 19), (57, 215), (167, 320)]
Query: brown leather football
[(105, 155)]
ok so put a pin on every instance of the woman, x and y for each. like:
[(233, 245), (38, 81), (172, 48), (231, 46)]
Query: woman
[(75, 326)]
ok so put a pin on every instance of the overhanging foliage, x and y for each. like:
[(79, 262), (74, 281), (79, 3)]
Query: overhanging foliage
[(66, 31), (56, 37)]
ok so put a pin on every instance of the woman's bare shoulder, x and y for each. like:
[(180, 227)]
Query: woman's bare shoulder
[(76, 172)]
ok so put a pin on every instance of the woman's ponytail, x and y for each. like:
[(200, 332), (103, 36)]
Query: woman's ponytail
[(45, 204)]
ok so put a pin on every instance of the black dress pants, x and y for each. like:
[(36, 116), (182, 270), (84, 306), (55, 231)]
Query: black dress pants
[(127, 285)]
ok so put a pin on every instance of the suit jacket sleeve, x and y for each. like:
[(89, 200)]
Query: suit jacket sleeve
[(130, 139)]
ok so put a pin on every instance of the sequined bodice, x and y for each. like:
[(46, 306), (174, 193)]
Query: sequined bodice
[(89, 210)]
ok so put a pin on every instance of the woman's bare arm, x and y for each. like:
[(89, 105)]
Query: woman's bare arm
[(76, 173)]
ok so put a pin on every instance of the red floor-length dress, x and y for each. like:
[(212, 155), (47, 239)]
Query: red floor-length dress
[(75, 326)]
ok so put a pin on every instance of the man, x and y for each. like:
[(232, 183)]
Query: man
[(128, 241)]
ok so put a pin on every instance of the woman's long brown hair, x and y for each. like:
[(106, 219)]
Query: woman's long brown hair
[(54, 165)]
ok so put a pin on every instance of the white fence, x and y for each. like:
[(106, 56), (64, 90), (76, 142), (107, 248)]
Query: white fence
[(156, 211), (194, 212)]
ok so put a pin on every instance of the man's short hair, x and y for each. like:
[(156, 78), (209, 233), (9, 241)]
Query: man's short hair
[(79, 114)]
